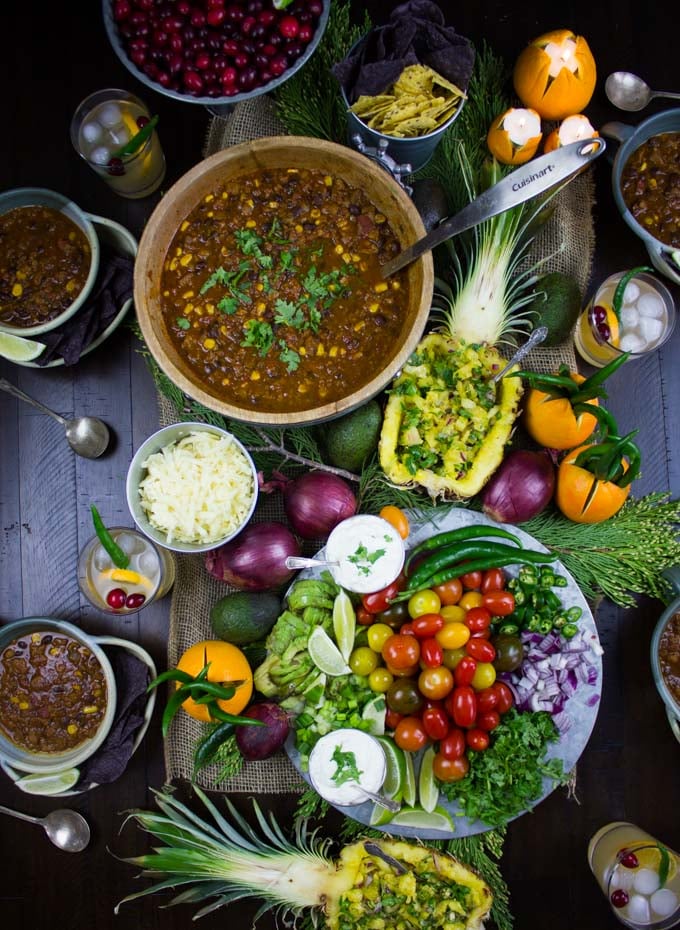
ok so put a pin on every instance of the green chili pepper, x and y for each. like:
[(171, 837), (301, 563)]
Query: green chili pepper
[(617, 301), (119, 558), (574, 614), (221, 691), (138, 139), (516, 557), (172, 674), (447, 555), (462, 534), (217, 713), (559, 621), (206, 749), (569, 630), (511, 629), (174, 703)]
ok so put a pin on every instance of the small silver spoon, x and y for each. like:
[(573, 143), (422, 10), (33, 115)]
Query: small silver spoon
[(293, 562), (536, 338), (627, 91), (87, 436), (67, 829), (380, 799)]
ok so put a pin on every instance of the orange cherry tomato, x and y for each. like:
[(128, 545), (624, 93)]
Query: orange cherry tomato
[(472, 580), (448, 770), (396, 517), (453, 635), (453, 612), (401, 651), (471, 599), (410, 734), (427, 625), (499, 603), (436, 683), (450, 592)]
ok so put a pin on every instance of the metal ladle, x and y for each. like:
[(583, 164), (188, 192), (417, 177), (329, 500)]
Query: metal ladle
[(67, 829), (87, 436), (629, 92)]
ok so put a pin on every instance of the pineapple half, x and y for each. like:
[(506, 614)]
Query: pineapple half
[(445, 427), (375, 885)]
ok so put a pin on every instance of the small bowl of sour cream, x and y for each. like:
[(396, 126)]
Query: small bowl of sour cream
[(345, 764), (369, 553)]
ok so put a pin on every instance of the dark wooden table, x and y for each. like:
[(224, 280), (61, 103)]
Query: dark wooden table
[(53, 56)]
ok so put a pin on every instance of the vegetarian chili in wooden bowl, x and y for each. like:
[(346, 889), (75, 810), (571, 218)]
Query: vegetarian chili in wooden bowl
[(257, 282)]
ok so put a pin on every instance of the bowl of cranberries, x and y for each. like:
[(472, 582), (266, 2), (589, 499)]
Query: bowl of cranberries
[(214, 52)]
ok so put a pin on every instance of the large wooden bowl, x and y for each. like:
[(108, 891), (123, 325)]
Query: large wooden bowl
[(279, 152)]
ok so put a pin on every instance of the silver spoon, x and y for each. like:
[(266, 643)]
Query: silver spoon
[(67, 829), (536, 338), (293, 562), (87, 436), (627, 91), (380, 799)]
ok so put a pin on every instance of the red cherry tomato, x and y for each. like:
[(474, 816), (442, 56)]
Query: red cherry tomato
[(464, 706), (477, 619), (477, 739), (499, 603), (482, 634), (448, 770), (464, 672), (431, 653), (364, 618), (487, 699), (493, 580), (378, 601), (401, 651), (436, 723), (472, 580), (450, 592), (410, 734), (392, 718), (453, 744), (406, 629), (426, 625), (480, 649), (489, 720), (505, 698), (436, 683)]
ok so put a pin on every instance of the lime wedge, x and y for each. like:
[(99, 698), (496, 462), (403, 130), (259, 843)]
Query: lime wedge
[(55, 783), (428, 791), (396, 768), (380, 816), (282, 4), (19, 349), (325, 654), (344, 624), (438, 820), (374, 713), (409, 786)]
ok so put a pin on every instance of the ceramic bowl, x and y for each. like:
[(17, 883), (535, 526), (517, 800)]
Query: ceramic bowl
[(630, 139), (32, 196), (136, 472), (672, 705)]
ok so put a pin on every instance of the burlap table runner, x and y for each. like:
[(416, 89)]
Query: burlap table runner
[(566, 242)]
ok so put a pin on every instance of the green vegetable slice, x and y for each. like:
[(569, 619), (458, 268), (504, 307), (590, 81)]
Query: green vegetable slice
[(119, 558), (138, 140), (621, 287)]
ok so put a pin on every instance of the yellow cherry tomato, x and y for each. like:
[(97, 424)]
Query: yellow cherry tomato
[(424, 602), (363, 661), (453, 613), (452, 635), (380, 679), (377, 635), (396, 518), (484, 677), (471, 599)]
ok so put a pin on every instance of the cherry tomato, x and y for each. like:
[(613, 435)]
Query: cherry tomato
[(406, 629), (364, 618), (448, 770), (392, 718), (431, 653), (426, 625), (453, 635), (453, 613), (477, 739), (509, 652), (471, 599), (401, 651), (377, 636), (464, 672), (404, 697), (505, 698), (477, 619), (363, 660), (484, 677), (479, 649), (487, 699), (396, 518), (452, 657), (380, 679), (410, 734), (394, 615), (424, 602), (377, 601), (493, 580), (472, 580), (464, 706), (450, 592), (436, 723), (435, 683), (489, 720), (481, 634), (499, 603), (453, 744)]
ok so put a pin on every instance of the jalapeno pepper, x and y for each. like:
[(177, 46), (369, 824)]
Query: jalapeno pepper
[(119, 558)]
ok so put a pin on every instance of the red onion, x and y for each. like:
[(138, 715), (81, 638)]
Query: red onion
[(262, 742), (256, 559), (316, 502), (521, 488)]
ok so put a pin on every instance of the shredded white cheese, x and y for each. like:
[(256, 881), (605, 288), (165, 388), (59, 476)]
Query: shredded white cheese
[(198, 489)]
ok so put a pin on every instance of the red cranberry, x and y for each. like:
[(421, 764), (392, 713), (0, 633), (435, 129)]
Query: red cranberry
[(604, 331), (173, 23), (230, 47), (215, 4), (116, 598), (275, 39), (121, 10), (255, 6), (138, 18), (599, 314), (247, 25), (229, 75), (175, 63), (126, 30), (135, 601), (266, 76), (247, 79), (151, 70), (188, 33), (262, 61), (293, 51), (160, 38), (247, 47), (266, 17), (628, 860), (220, 62), (305, 34), (183, 7), (278, 65), (215, 17), (315, 7), (619, 898), (241, 60), (229, 90), (163, 79), (197, 18), (202, 61), (289, 27), (144, 4), (214, 91), (235, 13), (193, 81), (142, 121), (136, 44), (138, 56), (258, 32), (268, 50)]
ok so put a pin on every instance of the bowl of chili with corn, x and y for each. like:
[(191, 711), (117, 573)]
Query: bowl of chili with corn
[(49, 260), (258, 286)]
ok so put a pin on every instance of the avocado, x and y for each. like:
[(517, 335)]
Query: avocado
[(244, 616), (350, 439), (557, 304)]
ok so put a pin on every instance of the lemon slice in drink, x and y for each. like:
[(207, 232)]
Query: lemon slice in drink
[(344, 624), (19, 349), (128, 576), (325, 654), (428, 790), (54, 783), (438, 820)]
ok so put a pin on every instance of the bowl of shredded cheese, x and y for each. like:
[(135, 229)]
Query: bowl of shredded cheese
[(191, 487)]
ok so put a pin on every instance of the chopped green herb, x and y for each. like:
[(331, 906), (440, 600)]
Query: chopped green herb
[(183, 323), (289, 356), (228, 305), (260, 335), (219, 276), (363, 559), (346, 767), (286, 260), (289, 314)]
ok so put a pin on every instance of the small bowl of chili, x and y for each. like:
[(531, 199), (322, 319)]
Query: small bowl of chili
[(644, 183), (49, 260), (665, 653)]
